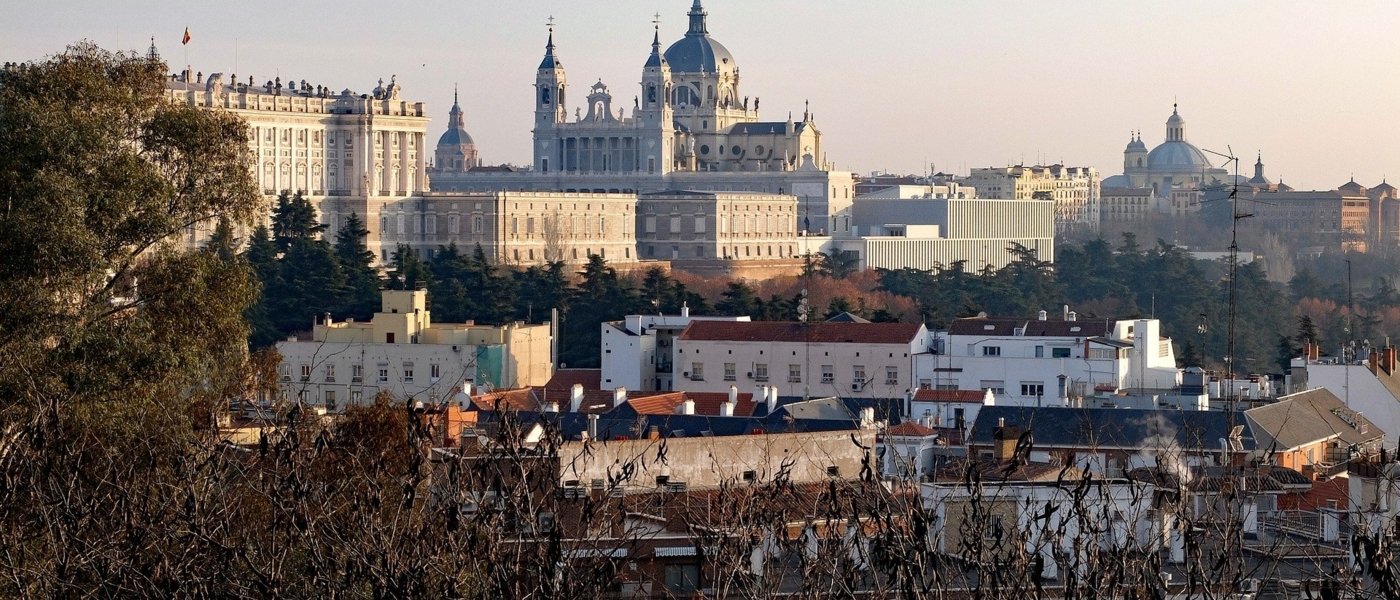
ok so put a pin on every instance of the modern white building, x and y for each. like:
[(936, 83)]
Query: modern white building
[(1044, 362), (935, 232), (849, 360), (638, 352), (403, 352)]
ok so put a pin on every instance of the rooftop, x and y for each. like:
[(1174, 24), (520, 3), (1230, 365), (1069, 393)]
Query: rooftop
[(820, 333)]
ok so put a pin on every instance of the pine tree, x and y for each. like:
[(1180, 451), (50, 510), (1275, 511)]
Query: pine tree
[(362, 279)]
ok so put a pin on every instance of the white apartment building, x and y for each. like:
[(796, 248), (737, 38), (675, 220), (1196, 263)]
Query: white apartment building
[(1074, 190), (638, 352), (850, 360), (1043, 362), (403, 352)]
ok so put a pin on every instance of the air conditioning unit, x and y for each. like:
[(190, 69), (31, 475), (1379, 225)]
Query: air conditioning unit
[(456, 348), (749, 374), (855, 387), (685, 373)]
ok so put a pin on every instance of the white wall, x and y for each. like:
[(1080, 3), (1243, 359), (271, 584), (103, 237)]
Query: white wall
[(842, 358)]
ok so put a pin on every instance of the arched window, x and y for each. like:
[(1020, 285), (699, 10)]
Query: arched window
[(544, 96)]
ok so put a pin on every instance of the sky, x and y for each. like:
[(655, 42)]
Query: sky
[(895, 85)]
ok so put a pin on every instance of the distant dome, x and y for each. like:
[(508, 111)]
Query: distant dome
[(1116, 181), (456, 136), (697, 51), (1177, 156), (1136, 146)]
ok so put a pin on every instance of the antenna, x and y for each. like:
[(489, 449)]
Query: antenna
[(1235, 217)]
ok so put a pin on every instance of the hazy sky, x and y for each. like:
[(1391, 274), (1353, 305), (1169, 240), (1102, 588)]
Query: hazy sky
[(894, 84)]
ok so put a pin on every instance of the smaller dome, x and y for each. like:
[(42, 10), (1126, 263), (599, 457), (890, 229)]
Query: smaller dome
[(455, 137)]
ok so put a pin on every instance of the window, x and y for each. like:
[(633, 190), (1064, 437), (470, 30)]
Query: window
[(858, 374), (828, 374), (794, 373), (891, 375), (389, 337), (1032, 389), (529, 224), (996, 386), (697, 371), (476, 224), (1059, 353), (305, 372), (330, 373), (991, 350), (383, 373), (699, 224), (833, 471), (650, 224), (729, 371), (682, 579), (431, 226), (453, 224), (675, 224), (357, 373), (357, 397), (408, 372), (435, 371), (330, 399), (1040, 351), (285, 372), (760, 372)]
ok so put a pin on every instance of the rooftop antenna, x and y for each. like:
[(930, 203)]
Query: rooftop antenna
[(1236, 217)]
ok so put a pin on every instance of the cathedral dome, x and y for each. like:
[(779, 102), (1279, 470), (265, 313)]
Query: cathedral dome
[(1177, 156), (697, 52)]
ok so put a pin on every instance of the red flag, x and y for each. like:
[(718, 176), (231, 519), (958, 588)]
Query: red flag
[(186, 39)]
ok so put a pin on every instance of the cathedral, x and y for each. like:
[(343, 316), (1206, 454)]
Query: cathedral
[(690, 127), (690, 115), (1175, 163)]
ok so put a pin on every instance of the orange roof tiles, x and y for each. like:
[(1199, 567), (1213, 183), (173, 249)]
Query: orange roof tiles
[(964, 396), (911, 429)]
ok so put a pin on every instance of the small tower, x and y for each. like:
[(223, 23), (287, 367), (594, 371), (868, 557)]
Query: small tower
[(550, 108), (654, 112), (151, 53), (456, 150), (1134, 157), (1176, 127)]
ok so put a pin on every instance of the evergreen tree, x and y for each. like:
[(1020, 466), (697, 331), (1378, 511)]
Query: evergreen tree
[(356, 261), (739, 300), (409, 272), (222, 243), (294, 219)]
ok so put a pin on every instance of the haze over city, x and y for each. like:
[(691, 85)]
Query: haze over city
[(894, 85)]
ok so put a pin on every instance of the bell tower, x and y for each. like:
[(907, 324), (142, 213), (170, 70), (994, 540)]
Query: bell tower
[(550, 110), (654, 113)]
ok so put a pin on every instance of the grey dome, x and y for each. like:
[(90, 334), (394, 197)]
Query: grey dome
[(1116, 181), (697, 52), (455, 136), (1177, 156)]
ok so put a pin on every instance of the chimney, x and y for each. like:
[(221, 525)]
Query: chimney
[(1042, 316), (1005, 440), (687, 407), (551, 407), (1073, 316), (909, 402), (771, 399), (619, 396), (734, 394), (467, 388), (1064, 312), (867, 417), (654, 433), (685, 310), (592, 427), (727, 409), (575, 397)]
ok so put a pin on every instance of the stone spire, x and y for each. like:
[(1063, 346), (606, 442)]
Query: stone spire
[(454, 116), (697, 20), (550, 62), (656, 59)]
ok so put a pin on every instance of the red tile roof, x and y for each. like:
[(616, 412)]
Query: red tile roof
[(709, 403), (658, 404), (520, 399), (564, 379), (956, 396), (911, 429), (783, 331)]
